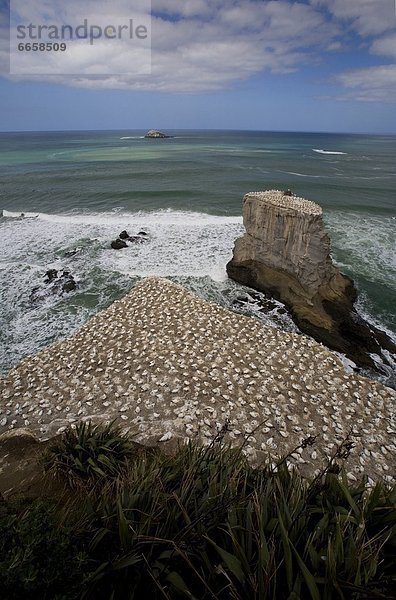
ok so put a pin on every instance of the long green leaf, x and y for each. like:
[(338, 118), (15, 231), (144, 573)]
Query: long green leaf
[(179, 584), (309, 579), (232, 562), (126, 561), (347, 495), (287, 553)]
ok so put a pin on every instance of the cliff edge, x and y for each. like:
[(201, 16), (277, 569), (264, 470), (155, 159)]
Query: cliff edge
[(285, 253)]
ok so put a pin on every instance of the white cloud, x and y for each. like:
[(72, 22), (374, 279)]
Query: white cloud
[(187, 8), (334, 46), (82, 56), (373, 21), (385, 46), (375, 84), (203, 45), (367, 17)]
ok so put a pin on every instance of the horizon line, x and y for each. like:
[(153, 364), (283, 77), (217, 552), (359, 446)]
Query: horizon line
[(204, 129)]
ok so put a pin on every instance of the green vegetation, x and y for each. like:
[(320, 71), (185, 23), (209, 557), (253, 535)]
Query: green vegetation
[(199, 524), (39, 557), (88, 453)]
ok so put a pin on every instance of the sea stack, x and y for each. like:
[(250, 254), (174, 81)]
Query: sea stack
[(285, 253)]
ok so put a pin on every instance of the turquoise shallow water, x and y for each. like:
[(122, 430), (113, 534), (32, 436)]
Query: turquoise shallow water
[(80, 189)]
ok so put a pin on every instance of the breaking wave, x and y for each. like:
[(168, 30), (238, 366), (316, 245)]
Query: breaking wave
[(319, 151)]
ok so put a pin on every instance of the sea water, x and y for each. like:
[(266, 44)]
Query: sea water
[(78, 190)]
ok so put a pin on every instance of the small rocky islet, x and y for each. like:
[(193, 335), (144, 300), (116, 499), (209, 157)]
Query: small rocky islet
[(141, 237), (155, 134), (171, 366)]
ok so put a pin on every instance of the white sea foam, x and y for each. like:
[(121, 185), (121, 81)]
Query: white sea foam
[(319, 151), (181, 243), (188, 246), (364, 307), (365, 244), (164, 217), (184, 245), (8, 214), (301, 174), (132, 137)]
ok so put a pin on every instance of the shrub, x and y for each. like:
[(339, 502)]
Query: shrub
[(39, 557), (88, 453), (204, 524)]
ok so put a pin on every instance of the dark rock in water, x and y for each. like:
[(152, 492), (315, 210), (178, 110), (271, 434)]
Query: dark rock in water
[(69, 284), (35, 294), (263, 305), (124, 237), (288, 193), (256, 297), (267, 306), (138, 239), (71, 253), (154, 133), (118, 244), (56, 285), (285, 253), (51, 275)]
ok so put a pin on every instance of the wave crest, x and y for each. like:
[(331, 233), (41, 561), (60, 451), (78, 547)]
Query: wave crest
[(319, 151)]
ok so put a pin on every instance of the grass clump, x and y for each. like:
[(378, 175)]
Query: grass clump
[(40, 558), (88, 453), (204, 524)]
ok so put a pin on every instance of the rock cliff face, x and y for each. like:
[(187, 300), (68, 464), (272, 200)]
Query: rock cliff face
[(285, 252)]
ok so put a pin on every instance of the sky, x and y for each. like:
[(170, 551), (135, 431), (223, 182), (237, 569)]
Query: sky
[(279, 65)]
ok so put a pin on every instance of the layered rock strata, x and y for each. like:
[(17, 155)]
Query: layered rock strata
[(285, 252), (170, 366)]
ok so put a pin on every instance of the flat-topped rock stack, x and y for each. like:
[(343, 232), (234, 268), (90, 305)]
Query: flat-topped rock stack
[(284, 200), (285, 252), (170, 365), (286, 234)]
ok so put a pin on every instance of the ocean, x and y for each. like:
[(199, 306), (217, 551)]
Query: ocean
[(78, 190)]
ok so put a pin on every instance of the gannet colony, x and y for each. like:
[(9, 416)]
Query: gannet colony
[(170, 365)]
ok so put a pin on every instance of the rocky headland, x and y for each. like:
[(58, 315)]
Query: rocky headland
[(171, 366), (285, 253)]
